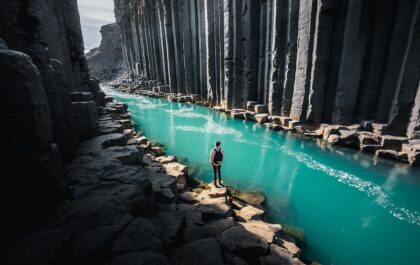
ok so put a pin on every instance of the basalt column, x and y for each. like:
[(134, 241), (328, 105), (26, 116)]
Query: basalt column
[(304, 59), (395, 56), (291, 54), (316, 61), (250, 28), (238, 54), (324, 25), (229, 52), (375, 59), (408, 79), (278, 49), (354, 45), (413, 130)]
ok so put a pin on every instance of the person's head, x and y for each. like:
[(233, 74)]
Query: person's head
[(217, 143)]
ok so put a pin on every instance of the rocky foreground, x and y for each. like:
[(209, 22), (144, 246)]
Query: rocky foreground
[(131, 205), (368, 136)]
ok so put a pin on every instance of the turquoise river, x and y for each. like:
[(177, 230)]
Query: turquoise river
[(352, 208)]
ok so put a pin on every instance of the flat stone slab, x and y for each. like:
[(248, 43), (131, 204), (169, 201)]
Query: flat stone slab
[(262, 229), (215, 211), (249, 212)]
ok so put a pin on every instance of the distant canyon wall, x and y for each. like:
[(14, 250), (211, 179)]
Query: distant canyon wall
[(105, 62), (332, 61)]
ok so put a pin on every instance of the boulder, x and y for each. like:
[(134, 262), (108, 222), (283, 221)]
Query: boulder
[(348, 138), (197, 232), (261, 117), (238, 113), (188, 197), (85, 115), (379, 128), (368, 138), (212, 196), (171, 225), (393, 142), (101, 142), (110, 127), (262, 229), (285, 120), (157, 150), (105, 204), (370, 148), (215, 211), (333, 138), (204, 252), (179, 171), (259, 108), (221, 225), (126, 124), (89, 246), (140, 235), (128, 155), (250, 105), (166, 159), (287, 242), (191, 213), (129, 133), (243, 244), (280, 255), (142, 140), (275, 119), (414, 158), (248, 197), (248, 213), (250, 115)]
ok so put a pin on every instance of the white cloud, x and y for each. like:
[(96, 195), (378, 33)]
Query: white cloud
[(93, 15)]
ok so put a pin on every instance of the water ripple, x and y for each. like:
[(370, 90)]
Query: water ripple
[(370, 189), (211, 127)]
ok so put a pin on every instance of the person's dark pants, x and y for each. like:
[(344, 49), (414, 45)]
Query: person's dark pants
[(216, 174)]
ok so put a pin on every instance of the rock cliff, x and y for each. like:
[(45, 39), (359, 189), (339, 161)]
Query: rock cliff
[(105, 62), (316, 61), (49, 106)]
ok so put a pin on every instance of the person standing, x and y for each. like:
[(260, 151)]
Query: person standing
[(216, 159)]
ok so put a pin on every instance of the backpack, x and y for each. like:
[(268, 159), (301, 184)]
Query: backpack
[(218, 155)]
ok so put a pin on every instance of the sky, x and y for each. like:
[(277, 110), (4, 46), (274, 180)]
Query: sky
[(93, 15)]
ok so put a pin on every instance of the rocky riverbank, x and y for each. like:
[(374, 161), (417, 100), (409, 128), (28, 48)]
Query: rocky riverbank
[(369, 136), (130, 204)]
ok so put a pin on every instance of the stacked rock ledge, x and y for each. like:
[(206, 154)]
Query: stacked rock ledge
[(367, 137), (130, 204)]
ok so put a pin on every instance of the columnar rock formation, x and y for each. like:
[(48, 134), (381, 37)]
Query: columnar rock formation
[(317, 61), (105, 62), (49, 105)]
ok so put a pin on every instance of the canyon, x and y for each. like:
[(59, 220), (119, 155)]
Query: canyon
[(82, 184)]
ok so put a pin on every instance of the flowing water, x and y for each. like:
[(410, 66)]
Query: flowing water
[(351, 208)]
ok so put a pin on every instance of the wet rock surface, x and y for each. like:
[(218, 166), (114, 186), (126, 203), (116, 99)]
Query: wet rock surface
[(125, 210)]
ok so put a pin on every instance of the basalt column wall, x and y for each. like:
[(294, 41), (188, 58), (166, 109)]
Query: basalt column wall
[(49, 105), (317, 61)]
